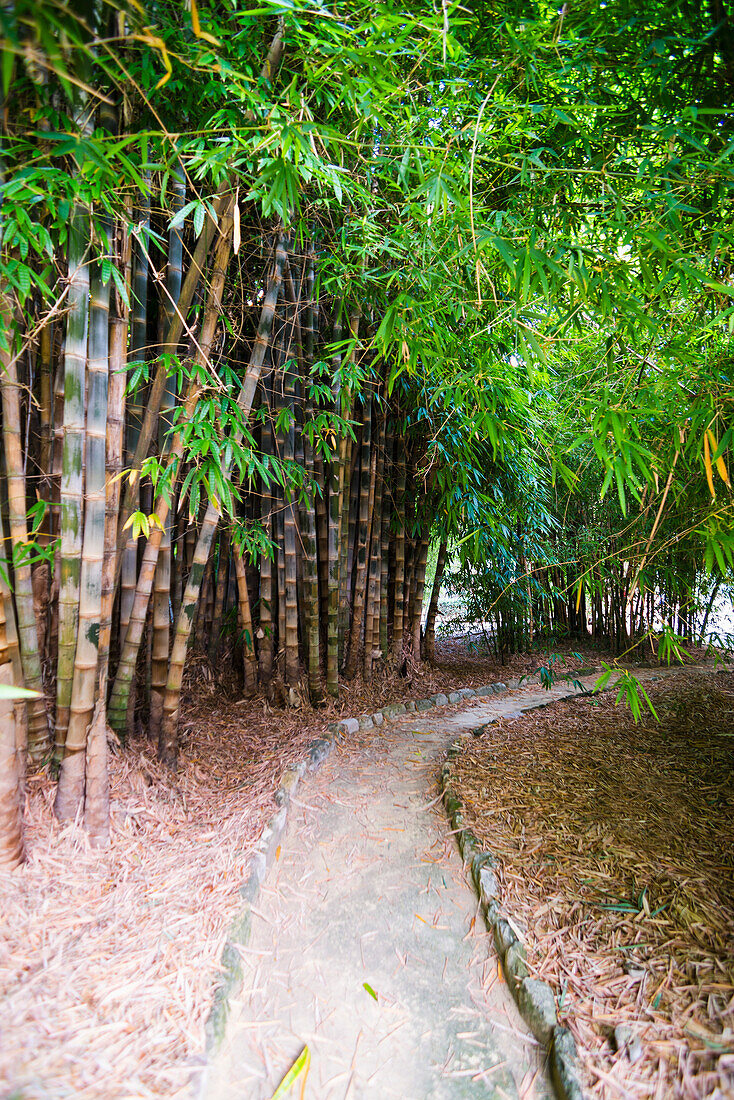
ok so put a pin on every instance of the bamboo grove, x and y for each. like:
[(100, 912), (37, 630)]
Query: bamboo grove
[(291, 297)]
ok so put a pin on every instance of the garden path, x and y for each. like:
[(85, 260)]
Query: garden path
[(366, 943)]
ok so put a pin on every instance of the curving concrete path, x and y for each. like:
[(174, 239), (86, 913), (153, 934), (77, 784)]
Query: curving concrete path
[(366, 943)]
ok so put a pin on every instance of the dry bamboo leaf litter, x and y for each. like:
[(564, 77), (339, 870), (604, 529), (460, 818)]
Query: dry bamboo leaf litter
[(107, 961), (617, 854)]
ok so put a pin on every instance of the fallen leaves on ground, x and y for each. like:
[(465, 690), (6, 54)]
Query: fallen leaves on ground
[(617, 855)]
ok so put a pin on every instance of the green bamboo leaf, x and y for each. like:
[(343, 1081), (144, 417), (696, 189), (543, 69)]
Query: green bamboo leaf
[(9, 691), (299, 1067)]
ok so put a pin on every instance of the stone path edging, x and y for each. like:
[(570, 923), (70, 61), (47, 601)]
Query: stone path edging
[(534, 998)]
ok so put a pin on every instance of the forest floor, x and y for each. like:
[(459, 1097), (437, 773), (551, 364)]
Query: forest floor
[(107, 960), (616, 848)]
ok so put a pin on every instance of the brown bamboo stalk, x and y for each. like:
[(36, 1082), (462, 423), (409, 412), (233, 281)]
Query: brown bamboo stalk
[(38, 731), (366, 497), (371, 633), (249, 662), (133, 638), (417, 592), (220, 595), (11, 822), (387, 505), (168, 741), (398, 637), (71, 786), (336, 495), (119, 327)]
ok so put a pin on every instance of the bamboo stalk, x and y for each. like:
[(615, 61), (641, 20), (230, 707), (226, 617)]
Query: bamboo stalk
[(312, 552), (119, 327), (290, 553), (220, 593), (10, 651), (347, 523), (190, 284), (398, 636), (366, 491), (168, 740), (336, 494), (11, 820), (249, 662), (71, 786), (387, 500), (429, 641), (133, 638), (38, 731), (418, 591), (75, 362), (371, 633), (265, 630), (128, 555), (162, 583)]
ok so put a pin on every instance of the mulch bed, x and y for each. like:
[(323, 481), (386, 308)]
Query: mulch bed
[(616, 844)]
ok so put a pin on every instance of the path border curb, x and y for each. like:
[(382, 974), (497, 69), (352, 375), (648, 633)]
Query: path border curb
[(535, 999)]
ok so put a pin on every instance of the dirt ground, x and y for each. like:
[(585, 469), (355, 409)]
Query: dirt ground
[(617, 852)]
